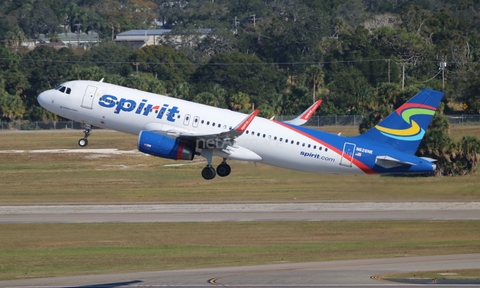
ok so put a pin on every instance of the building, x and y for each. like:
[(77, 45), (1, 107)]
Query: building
[(141, 38)]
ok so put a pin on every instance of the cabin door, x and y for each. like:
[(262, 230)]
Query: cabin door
[(89, 96)]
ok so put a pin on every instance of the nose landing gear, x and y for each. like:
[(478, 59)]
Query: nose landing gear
[(84, 142)]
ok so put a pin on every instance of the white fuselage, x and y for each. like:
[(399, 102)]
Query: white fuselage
[(131, 111)]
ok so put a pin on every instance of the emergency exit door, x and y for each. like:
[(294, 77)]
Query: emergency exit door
[(347, 154)]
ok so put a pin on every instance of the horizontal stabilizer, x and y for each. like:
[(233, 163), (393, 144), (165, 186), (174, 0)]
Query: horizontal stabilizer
[(388, 162), (429, 159)]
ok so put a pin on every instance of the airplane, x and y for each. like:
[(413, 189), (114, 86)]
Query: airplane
[(178, 129)]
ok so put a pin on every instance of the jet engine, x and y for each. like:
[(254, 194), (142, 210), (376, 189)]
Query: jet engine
[(163, 146)]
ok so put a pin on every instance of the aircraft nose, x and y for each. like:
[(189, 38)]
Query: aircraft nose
[(42, 98)]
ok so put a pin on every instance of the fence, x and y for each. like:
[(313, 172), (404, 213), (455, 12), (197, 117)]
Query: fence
[(316, 121)]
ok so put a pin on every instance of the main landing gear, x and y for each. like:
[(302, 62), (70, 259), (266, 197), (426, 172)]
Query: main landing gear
[(208, 173), (84, 142)]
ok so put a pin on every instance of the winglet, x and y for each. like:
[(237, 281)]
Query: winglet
[(242, 127), (306, 115)]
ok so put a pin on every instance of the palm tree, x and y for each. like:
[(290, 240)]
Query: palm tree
[(315, 78)]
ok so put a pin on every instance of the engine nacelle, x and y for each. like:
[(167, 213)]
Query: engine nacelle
[(163, 146)]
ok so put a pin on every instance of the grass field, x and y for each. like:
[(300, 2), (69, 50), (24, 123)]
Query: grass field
[(72, 177), (43, 250)]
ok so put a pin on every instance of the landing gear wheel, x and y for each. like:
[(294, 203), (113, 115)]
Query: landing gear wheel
[(208, 173), (223, 170), (83, 142)]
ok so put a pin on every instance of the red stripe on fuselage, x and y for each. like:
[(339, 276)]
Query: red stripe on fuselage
[(363, 167)]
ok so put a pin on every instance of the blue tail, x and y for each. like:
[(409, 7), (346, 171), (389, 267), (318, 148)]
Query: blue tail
[(405, 127)]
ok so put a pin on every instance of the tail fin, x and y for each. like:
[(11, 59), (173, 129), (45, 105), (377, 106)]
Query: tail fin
[(405, 127)]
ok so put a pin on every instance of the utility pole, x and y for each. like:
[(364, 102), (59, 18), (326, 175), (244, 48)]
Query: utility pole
[(388, 61), (442, 66), (403, 75), (235, 22), (78, 32), (314, 84), (136, 66), (253, 19)]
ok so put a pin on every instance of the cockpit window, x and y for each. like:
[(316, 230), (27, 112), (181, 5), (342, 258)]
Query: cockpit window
[(63, 89)]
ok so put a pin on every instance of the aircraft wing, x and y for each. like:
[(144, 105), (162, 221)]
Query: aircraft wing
[(390, 162), (223, 142), (231, 134), (306, 115)]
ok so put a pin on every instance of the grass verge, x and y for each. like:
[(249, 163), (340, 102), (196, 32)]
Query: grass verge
[(46, 250), (55, 177), (464, 276)]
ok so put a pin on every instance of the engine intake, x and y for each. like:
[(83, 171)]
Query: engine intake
[(163, 146)]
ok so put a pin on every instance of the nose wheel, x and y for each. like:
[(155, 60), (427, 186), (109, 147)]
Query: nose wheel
[(84, 142)]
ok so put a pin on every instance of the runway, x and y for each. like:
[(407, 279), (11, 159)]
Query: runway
[(356, 273), (114, 213)]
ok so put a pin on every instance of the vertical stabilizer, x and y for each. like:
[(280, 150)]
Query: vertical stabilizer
[(405, 127)]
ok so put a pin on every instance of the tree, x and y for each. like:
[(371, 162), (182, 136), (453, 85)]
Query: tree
[(208, 98), (164, 63), (237, 72), (113, 57), (239, 102), (11, 106), (45, 68), (182, 91)]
